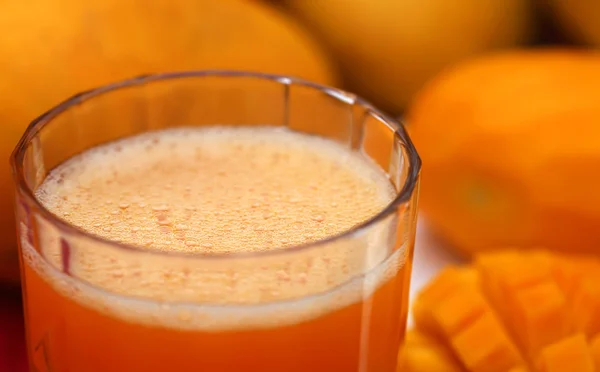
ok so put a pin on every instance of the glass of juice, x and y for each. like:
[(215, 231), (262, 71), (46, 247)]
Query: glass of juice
[(215, 221)]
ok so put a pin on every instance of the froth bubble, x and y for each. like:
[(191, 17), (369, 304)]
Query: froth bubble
[(234, 200)]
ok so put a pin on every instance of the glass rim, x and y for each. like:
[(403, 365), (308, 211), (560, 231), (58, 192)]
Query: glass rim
[(399, 133)]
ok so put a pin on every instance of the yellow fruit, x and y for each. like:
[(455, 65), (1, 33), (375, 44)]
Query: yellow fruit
[(510, 310), (423, 353), (50, 50), (387, 49), (571, 354), (579, 18), (511, 150)]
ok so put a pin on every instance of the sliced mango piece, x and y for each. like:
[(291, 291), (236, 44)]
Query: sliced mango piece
[(523, 289), (568, 355), (514, 269), (586, 307), (595, 350), (512, 311), (423, 353), (503, 273), (519, 369), (457, 312), (442, 287), (540, 315), (485, 346), (565, 274)]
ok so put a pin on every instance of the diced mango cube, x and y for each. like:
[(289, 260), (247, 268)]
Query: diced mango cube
[(586, 307), (519, 369), (595, 351), (422, 353), (541, 316), (568, 355), (485, 346), (515, 269), (440, 288), (456, 312), (510, 311)]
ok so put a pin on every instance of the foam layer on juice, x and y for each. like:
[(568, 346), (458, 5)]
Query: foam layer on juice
[(217, 190)]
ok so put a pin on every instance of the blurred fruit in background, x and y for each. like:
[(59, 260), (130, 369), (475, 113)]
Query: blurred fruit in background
[(51, 49), (387, 49), (511, 311), (511, 151), (579, 18)]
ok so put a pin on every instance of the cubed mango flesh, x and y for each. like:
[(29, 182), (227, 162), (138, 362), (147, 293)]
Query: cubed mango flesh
[(509, 311)]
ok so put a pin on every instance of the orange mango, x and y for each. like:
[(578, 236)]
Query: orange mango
[(510, 144)]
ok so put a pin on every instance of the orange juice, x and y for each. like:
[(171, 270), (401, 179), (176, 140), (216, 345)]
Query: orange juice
[(215, 200)]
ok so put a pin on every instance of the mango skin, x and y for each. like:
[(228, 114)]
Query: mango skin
[(387, 49), (510, 145)]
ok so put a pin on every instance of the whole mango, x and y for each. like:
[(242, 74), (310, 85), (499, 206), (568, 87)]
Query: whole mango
[(510, 144), (387, 49), (50, 50)]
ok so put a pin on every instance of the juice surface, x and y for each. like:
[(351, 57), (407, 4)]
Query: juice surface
[(217, 190)]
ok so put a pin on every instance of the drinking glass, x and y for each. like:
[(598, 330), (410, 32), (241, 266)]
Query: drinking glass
[(78, 323)]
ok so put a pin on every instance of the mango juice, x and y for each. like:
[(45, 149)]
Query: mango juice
[(215, 249)]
